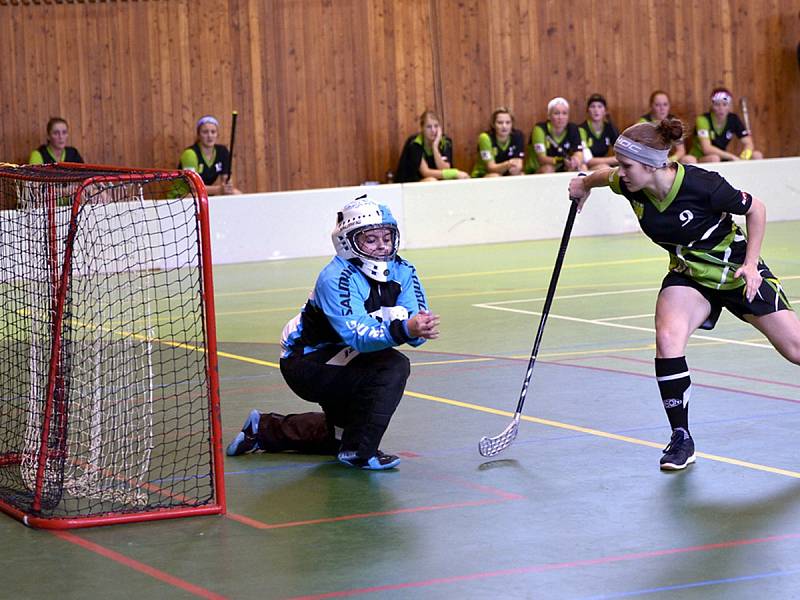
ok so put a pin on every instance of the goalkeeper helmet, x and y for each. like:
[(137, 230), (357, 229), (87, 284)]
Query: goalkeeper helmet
[(349, 236)]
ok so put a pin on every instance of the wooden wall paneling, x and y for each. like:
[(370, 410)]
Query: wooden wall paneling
[(361, 93), (272, 96), (375, 49), (407, 58), (465, 75), (329, 90), (789, 77)]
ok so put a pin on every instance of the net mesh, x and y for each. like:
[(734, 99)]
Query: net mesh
[(114, 418)]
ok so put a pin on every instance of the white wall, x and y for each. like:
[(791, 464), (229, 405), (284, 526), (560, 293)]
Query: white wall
[(280, 225)]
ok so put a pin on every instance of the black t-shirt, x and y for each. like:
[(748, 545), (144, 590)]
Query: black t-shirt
[(209, 172), (600, 145), (414, 152)]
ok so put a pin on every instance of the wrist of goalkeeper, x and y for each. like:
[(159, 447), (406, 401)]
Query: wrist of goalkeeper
[(449, 173), (746, 154)]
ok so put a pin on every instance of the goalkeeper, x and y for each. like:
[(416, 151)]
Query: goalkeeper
[(339, 351)]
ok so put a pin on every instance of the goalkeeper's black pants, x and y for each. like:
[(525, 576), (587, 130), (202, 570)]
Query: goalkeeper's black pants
[(358, 400)]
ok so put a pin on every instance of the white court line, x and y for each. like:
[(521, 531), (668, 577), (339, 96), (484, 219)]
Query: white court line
[(619, 325), (628, 317), (570, 296)]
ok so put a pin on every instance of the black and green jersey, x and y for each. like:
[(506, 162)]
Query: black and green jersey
[(648, 118), (600, 143), (720, 136), (42, 156), (192, 158), (413, 152), (558, 146), (693, 223), (490, 149)]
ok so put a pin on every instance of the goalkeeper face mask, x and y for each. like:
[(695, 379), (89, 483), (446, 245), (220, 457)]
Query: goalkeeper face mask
[(366, 235)]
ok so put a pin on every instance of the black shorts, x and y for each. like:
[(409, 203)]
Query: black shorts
[(769, 299)]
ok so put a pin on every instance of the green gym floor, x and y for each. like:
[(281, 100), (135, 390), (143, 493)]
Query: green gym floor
[(576, 508)]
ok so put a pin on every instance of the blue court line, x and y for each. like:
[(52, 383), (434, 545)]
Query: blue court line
[(696, 584)]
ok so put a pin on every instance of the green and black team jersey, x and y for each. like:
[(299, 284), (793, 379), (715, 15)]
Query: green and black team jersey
[(705, 126), (544, 140), (648, 118), (192, 158), (600, 143), (490, 149), (693, 223), (413, 152), (42, 156)]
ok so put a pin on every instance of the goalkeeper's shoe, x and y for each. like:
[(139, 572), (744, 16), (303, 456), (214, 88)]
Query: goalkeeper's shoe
[(245, 441), (379, 462), (679, 453)]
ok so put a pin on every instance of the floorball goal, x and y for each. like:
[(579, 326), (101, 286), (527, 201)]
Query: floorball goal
[(109, 405)]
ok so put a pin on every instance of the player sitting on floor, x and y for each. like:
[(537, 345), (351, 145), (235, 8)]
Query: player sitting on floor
[(339, 351)]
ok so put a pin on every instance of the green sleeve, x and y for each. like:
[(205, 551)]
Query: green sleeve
[(484, 147), (531, 159), (484, 144), (538, 136), (613, 181), (36, 158), (702, 123), (189, 160)]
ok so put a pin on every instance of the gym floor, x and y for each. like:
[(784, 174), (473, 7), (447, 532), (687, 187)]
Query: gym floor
[(576, 508)]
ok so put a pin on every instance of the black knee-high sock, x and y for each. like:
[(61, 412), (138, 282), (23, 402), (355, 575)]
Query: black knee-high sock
[(675, 386)]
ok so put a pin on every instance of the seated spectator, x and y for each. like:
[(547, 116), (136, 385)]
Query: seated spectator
[(427, 155), (208, 159), (659, 110), (501, 150), (715, 129), (56, 149), (598, 134), (555, 145)]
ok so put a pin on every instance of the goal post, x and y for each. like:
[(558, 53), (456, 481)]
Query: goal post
[(109, 391)]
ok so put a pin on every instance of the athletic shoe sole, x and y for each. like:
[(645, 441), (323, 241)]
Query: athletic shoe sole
[(675, 467)]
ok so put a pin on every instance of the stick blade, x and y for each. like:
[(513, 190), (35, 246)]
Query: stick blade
[(490, 446)]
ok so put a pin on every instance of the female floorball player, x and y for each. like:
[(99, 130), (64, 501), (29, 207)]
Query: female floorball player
[(339, 351), (686, 210), (208, 159), (56, 149)]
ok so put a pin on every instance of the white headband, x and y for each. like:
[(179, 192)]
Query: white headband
[(721, 96), (207, 119), (641, 153), (555, 102)]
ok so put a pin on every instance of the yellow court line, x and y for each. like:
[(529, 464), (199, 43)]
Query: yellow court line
[(247, 359), (604, 434), (557, 424)]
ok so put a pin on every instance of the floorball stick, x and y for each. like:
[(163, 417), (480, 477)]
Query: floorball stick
[(489, 446), (233, 139)]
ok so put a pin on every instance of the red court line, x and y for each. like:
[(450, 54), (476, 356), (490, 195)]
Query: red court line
[(696, 385), (604, 560), (138, 566), (399, 511), (722, 373)]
